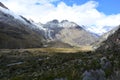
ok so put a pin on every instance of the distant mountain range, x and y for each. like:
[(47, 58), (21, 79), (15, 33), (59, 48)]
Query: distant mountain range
[(18, 32), (68, 32)]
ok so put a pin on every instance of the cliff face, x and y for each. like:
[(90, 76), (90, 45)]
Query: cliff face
[(109, 41)]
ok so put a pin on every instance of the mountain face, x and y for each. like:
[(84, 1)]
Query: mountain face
[(109, 41), (68, 32), (17, 32)]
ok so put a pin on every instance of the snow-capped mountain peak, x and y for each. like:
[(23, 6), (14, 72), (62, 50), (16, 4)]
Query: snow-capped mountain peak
[(9, 12), (67, 24), (99, 30)]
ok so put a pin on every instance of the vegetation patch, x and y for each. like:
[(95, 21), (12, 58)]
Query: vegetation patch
[(32, 64)]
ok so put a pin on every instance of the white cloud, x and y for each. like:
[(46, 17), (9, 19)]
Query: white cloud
[(85, 14)]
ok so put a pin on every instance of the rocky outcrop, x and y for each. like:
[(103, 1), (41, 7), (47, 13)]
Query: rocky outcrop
[(3, 6)]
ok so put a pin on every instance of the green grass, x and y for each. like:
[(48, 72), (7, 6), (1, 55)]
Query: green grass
[(40, 65)]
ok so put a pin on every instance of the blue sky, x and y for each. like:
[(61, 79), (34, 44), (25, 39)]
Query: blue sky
[(93, 13), (109, 6), (106, 6)]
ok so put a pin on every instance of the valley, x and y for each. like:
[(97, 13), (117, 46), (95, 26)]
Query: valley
[(55, 50)]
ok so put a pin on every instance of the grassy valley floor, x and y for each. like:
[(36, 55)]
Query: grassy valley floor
[(51, 63)]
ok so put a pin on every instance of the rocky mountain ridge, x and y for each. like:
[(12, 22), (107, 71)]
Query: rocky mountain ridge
[(68, 32), (16, 28), (109, 41), (16, 31), (3, 6)]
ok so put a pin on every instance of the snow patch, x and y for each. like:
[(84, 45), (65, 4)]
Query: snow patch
[(6, 11), (16, 16), (67, 24), (98, 30)]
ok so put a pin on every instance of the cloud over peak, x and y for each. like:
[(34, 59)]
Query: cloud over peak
[(45, 10)]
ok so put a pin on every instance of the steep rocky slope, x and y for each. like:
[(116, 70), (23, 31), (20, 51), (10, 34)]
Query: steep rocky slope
[(109, 46), (68, 32), (109, 41), (3, 6), (16, 31)]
